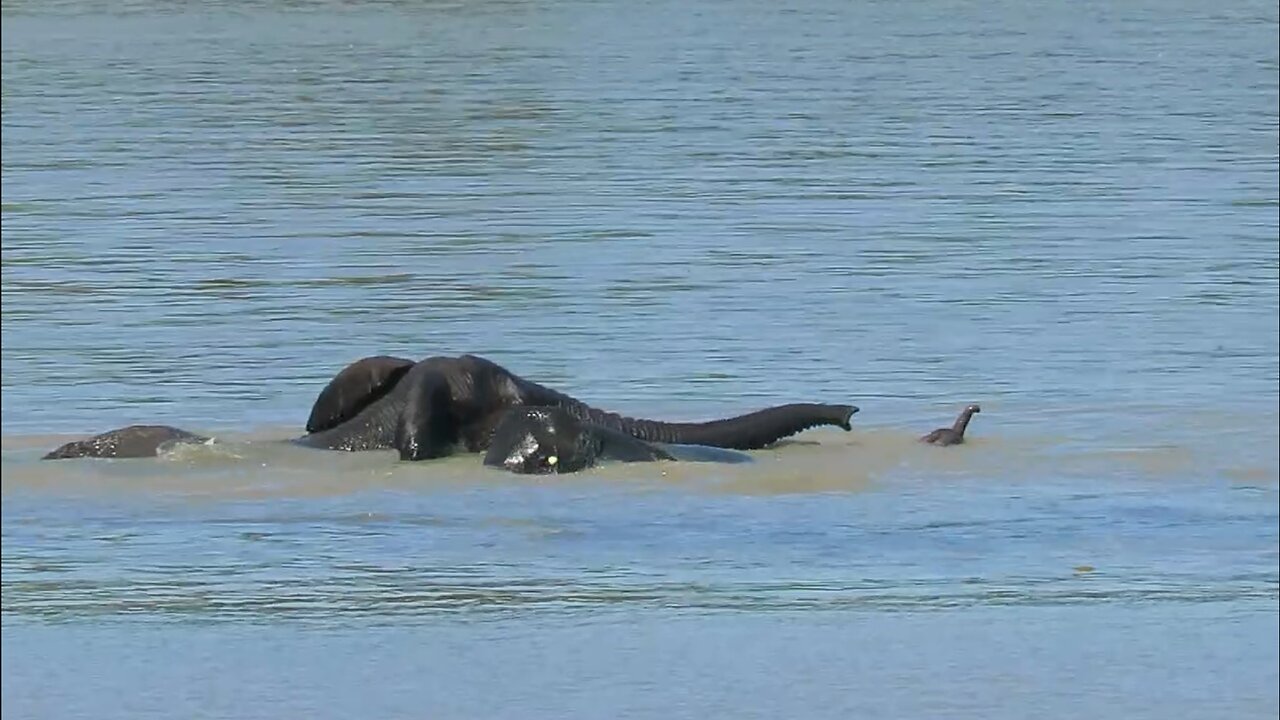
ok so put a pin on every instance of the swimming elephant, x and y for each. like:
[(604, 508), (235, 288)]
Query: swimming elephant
[(127, 442), (427, 409), (953, 435), (540, 440)]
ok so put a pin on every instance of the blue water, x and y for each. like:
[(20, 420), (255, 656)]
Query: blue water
[(1068, 213)]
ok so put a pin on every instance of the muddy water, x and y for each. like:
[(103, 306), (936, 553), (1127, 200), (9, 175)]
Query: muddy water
[(1068, 215)]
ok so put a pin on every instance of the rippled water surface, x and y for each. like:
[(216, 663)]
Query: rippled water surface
[(1068, 213)]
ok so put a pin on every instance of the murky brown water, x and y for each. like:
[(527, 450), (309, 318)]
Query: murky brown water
[(1065, 213)]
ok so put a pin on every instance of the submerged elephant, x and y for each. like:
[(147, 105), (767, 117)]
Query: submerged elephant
[(539, 440), (427, 409), (128, 442), (953, 435), (527, 440)]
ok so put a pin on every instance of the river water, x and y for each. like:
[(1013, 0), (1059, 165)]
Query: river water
[(1065, 212)]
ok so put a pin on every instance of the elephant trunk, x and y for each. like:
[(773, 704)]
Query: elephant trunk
[(745, 432)]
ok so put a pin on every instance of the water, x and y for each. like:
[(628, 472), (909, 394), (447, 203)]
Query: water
[(1068, 213)]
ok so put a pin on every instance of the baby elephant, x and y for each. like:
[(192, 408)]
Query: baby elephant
[(953, 435)]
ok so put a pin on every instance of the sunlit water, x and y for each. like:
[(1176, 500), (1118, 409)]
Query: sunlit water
[(1067, 213)]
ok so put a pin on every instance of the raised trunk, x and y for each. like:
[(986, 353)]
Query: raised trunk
[(745, 432), (962, 422)]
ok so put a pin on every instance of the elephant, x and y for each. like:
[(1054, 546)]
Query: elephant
[(550, 439), (953, 435), (430, 408), (128, 442), (426, 409)]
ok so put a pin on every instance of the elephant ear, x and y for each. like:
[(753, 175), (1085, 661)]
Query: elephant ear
[(426, 429), (358, 386)]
